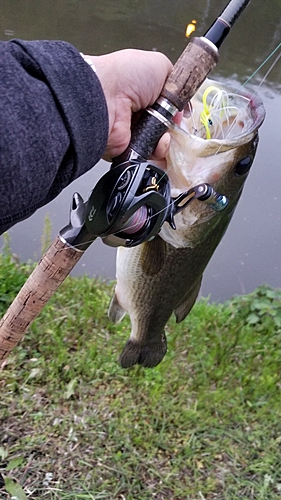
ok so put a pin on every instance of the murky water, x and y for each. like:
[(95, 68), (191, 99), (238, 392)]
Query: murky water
[(250, 253)]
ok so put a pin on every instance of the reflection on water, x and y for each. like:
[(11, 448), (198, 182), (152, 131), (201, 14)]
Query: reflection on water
[(249, 254)]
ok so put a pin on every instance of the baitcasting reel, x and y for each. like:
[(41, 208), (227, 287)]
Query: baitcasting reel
[(131, 202)]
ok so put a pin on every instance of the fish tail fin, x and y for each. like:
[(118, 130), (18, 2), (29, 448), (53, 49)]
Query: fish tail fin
[(115, 312), (147, 355)]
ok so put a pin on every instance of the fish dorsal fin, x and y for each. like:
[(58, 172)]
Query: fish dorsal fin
[(153, 255), (183, 309)]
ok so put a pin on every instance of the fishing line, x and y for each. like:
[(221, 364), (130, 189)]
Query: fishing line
[(248, 80), (271, 67), (150, 217), (264, 62), (195, 130), (262, 81)]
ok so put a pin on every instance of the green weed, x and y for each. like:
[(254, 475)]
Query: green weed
[(204, 424), (12, 275)]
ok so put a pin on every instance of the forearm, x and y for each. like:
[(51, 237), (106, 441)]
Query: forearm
[(54, 124)]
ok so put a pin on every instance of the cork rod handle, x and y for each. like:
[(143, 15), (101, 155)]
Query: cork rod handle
[(190, 71), (48, 275)]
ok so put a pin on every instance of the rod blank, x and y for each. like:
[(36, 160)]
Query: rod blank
[(223, 24), (233, 10)]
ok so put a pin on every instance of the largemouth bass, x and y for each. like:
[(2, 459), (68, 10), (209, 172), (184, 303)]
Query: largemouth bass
[(215, 144)]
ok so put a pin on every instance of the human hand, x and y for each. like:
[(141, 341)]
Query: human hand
[(131, 81)]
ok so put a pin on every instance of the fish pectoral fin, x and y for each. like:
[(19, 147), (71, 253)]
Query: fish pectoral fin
[(148, 355), (153, 255), (115, 312), (185, 307)]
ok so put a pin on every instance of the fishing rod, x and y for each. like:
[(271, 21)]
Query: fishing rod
[(131, 202)]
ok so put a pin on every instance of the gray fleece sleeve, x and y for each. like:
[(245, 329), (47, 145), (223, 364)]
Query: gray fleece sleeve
[(53, 122)]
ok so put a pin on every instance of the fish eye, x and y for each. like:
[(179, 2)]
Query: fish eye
[(243, 166)]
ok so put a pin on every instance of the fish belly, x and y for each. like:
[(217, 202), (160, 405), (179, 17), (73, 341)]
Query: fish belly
[(150, 290)]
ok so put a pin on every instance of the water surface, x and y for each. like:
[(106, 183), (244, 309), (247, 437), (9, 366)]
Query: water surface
[(250, 253)]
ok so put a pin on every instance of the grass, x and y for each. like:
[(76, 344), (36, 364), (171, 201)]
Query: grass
[(204, 424)]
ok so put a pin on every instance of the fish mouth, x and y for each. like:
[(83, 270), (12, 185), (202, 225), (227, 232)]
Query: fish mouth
[(220, 120), (219, 131), (222, 113)]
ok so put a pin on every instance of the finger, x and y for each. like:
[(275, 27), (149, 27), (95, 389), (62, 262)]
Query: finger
[(178, 117), (162, 148)]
